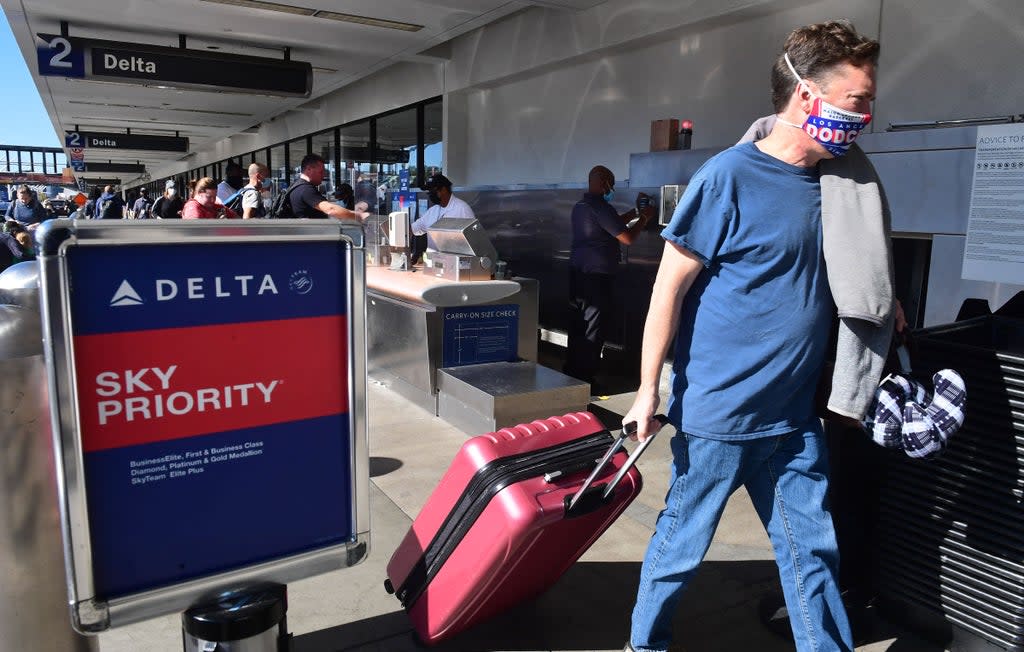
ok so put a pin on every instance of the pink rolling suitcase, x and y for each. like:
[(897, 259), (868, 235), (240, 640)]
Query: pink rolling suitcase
[(498, 529)]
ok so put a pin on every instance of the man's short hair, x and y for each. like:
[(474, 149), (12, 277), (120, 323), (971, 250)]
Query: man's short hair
[(438, 181), (258, 168), (233, 167), (310, 160), (815, 51), (601, 173), (143, 190)]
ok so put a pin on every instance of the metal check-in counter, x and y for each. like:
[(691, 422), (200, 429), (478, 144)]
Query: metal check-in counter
[(425, 318)]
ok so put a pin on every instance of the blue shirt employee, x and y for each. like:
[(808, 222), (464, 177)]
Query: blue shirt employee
[(597, 232)]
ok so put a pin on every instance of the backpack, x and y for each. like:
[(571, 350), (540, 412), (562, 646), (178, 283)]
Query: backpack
[(234, 202), (154, 210), (107, 210), (142, 209), (281, 209)]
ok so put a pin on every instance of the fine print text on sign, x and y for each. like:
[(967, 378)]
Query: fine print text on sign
[(477, 334), (994, 250), (191, 462)]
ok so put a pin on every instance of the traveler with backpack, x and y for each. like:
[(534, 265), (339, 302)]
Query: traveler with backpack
[(89, 208), (142, 206), (204, 206), (248, 202), (232, 182), (109, 206), (302, 199)]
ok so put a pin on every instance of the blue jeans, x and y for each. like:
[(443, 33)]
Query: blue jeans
[(787, 479)]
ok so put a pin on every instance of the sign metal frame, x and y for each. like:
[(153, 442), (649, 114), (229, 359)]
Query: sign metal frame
[(90, 613)]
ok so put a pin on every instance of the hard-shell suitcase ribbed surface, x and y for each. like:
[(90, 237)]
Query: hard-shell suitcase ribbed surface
[(496, 532)]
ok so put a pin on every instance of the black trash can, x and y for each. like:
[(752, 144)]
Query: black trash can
[(250, 620), (950, 531)]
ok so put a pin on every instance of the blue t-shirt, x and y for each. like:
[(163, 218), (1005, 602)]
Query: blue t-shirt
[(754, 325), (595, 223), (26, 214)]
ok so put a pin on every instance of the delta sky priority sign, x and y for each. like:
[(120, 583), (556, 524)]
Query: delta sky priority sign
[(207, 388)]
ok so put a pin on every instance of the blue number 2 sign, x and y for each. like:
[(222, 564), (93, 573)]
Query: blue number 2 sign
[(59, 58)]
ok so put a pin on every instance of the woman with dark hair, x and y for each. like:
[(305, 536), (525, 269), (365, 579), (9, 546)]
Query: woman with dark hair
[(15, 244), (168, 205)]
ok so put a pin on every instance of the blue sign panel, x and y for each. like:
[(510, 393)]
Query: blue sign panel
[(59, 58), (477, 334), (213, 395), (404, 201)]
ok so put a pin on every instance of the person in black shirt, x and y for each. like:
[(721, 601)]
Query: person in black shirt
[(169, 205), (306, 200)]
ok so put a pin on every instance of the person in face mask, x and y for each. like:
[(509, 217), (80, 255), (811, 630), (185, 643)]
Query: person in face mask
[(598, 231), (742, 292), (345, 197), (168, 206), (233, 181), (442, 204), (252, 193)]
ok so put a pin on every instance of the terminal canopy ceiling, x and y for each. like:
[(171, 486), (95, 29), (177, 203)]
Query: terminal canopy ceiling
[(342, 40)]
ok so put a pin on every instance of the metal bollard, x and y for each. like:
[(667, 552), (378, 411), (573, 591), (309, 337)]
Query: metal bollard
[(34, 611)]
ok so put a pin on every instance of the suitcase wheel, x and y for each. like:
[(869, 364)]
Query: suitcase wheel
[(389, 587)]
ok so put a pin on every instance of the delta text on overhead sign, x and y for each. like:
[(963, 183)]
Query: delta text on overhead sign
[(172, 67)]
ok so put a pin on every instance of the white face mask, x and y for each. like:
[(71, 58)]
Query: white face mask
[(170, 192), (833, 128)]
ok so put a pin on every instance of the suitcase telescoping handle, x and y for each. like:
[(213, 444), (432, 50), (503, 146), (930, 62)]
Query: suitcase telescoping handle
[(627, 430)]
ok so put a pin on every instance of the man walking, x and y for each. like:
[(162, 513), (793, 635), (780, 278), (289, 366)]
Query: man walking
[(742, 288)]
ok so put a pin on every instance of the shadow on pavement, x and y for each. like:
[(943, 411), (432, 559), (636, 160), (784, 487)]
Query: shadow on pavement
[(589, 609), (383, 465)]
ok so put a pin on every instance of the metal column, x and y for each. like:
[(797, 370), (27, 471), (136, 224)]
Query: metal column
[(34, 603)]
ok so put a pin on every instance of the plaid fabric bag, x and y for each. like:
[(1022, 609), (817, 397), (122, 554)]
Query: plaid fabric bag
[(905, 415)]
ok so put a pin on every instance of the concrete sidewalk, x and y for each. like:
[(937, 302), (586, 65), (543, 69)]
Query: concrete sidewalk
[(587, 610)]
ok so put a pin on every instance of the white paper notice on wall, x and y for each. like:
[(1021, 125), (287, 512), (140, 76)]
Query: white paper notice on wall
[(995, 229)]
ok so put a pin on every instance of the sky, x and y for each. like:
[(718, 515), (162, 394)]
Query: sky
[(25, 121)]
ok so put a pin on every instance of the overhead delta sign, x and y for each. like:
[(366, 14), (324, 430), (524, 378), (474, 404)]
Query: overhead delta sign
[(91, 139), (66, 56)]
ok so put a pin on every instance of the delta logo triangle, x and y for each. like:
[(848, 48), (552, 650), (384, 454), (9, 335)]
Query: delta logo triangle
[(126, 295)]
